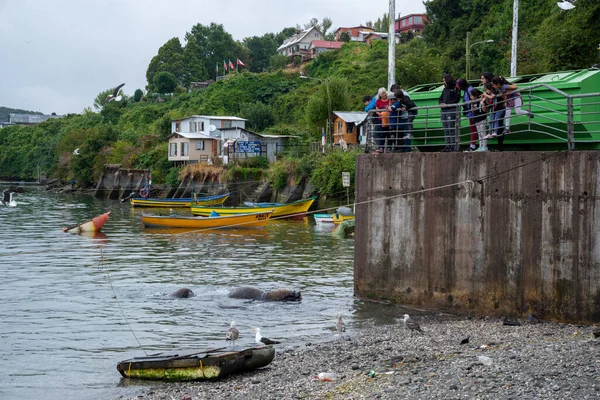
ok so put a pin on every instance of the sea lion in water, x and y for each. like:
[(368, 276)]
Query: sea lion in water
[(183, 293), (252, 293)]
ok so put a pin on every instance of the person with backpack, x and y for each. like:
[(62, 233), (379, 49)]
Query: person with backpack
[(466, 88)]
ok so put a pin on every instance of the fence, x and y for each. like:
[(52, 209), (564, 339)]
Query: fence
[(559, 119)]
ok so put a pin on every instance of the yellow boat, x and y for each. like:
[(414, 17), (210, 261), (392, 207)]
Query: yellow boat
[(335, 218), (249, 220), (179, 203), (296, 210)]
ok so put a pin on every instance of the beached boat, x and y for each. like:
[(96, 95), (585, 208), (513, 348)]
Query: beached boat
[(297, 209), (248, 220), (91, 225), (210, 364), (214, 200), (334, 218)]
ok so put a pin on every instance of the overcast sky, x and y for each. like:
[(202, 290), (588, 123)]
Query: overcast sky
[(57, 55)]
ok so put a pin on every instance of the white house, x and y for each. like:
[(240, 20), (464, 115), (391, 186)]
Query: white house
[(300, 42), (198, 138)]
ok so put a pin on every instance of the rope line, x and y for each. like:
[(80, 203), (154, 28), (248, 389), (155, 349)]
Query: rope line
[(101, 266)]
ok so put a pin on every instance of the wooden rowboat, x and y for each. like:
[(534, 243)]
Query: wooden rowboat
[(210, 364), (179, 203), (91, 225), (249, 220), (334, 218), (297, 209)]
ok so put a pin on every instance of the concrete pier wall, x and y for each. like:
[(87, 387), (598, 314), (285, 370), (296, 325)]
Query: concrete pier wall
[(521, 237)]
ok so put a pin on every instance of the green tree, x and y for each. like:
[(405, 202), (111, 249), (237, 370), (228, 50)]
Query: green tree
[(261, 50), (334, 90), (259, 115), (195, 69), (213, 45), (345, 37), (137, 96), (164, 82), (277, 62), (170, 58)]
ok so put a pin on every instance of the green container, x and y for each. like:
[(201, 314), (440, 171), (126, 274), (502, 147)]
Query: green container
[(547, 130)]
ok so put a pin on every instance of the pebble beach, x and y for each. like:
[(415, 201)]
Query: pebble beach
[(523, 360)]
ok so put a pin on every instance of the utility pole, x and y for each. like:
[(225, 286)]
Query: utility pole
[(515, 32), (468, 56), (392, 45)]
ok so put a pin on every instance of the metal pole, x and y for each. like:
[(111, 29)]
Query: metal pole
[(515, 32), (330, 134), (468, 56), (392, 45), (570, 124)]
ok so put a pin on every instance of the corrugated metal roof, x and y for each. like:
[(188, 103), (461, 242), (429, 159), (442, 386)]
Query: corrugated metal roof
[(223, 117), (193, 135), (351, 116), (326, 44)]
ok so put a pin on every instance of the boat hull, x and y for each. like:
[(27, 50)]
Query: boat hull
[(93, 225), (179, 203), (250, 220), (335, 218), (196, 366), (297, 209)]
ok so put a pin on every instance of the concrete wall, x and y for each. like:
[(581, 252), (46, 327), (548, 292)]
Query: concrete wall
[(522, 240)]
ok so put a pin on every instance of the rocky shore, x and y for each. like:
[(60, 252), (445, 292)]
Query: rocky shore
[(522, 360)]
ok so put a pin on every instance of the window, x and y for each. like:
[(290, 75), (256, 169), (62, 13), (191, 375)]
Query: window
[(191, 127), (410, 20), (225, 124), (185, 149), (177, 126), (340, 127), (349, 127), (200, 126), (418, 20), (316, 34), (173, 149), (200, 145)]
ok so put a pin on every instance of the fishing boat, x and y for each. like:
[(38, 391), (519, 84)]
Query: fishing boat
[(248, 220), (92, 225), (185, 202), (334, 218), (296, 210), (210, 364)]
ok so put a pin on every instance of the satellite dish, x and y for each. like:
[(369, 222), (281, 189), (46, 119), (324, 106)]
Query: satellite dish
[(212, 128), (565, 5)]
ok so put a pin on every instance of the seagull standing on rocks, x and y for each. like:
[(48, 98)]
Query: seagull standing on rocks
[(411, 324), (233, 333), (260, 339), (340, 326)]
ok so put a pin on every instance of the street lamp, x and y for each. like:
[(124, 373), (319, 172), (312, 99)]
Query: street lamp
[(468, 55), (326, 82)]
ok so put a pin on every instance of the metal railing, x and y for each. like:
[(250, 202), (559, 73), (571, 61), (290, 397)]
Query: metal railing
[(559, 119)]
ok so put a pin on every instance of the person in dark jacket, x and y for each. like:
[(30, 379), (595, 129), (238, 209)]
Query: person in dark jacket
[(466, 88), (448, 99)]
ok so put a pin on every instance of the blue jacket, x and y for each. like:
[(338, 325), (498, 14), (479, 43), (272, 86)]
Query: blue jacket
[(371, 105)]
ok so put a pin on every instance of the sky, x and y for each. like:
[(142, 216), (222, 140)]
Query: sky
[(57, 55)]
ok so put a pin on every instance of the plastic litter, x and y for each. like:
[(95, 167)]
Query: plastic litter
[(326, 376), (485, 360), (371, 374)]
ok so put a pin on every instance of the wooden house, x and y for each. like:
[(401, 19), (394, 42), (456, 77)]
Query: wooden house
[(348, 125)]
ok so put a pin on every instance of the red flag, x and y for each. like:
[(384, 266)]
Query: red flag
[(231, 65), (239, 62), (225, 65)]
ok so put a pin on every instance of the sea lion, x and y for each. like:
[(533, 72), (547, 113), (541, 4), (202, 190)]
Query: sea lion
[(252, 293), (183, 293)]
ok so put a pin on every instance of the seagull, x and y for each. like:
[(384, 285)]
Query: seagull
[(7, 198), (411, 324), (340, 326), (114, 95), (263, 340), (232, 333), (566, 5), (76, 151)]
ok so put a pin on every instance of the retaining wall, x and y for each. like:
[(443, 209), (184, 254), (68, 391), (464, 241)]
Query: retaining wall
[(521, 238)]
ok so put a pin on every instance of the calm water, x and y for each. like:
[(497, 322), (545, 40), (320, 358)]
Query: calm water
[(63, 332)]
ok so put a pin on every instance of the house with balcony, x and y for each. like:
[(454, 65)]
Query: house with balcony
[(380, 36), (199, 138), (357, 33), (321, 46), (298, 44), (410, 23)]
